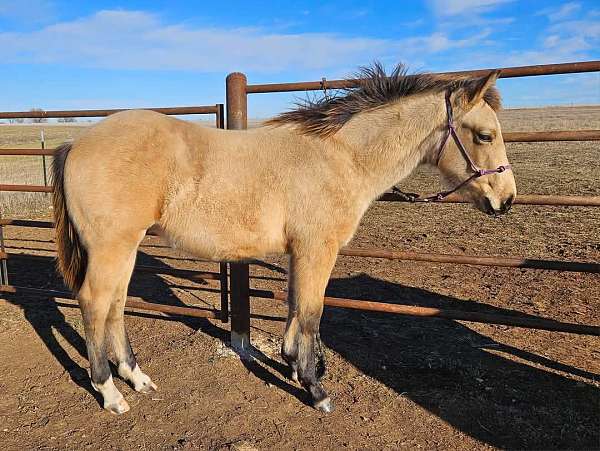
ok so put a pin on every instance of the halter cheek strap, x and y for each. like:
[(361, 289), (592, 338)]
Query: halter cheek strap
[(477, 172)]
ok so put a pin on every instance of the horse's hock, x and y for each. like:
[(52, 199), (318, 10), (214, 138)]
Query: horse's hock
[(235, 290)]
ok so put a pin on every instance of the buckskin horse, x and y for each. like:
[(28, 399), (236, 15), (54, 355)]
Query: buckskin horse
[(297, 185)]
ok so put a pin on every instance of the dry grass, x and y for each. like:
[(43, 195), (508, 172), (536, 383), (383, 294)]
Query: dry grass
[(28, 170), (25, 136)]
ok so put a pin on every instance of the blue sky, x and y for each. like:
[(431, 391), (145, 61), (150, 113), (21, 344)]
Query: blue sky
[(103, 54)]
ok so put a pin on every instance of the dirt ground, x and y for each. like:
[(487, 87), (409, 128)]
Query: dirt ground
[(397, 382)]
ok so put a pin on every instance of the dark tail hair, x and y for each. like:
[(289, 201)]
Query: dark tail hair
[(72, 256)]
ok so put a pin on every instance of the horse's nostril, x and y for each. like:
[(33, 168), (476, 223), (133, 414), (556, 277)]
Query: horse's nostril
[(507, 204), (487, 207)]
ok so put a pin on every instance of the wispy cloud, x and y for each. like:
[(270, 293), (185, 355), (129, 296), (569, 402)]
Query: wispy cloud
[(458, 7), (456, 15), (563, 12), (139, 40)]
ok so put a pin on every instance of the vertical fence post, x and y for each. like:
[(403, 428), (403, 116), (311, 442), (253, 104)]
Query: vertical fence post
[(220, 116), (43, 142), (3, 268), (239, 273), (223, 267)]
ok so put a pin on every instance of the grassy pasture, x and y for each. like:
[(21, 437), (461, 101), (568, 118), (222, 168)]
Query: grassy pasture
[(28, 170)]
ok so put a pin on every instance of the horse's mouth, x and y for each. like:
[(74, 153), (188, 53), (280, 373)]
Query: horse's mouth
[(487, 207)]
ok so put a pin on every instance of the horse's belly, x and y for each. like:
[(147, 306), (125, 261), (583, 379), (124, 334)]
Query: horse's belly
[(228, 242), (224, 224)]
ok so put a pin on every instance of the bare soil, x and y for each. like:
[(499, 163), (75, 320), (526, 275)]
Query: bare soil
[(398, 382)]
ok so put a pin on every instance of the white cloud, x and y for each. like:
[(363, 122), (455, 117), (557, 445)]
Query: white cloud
[(556, 14), (139, 40), (586, 28), (458, 7), (438, 42)]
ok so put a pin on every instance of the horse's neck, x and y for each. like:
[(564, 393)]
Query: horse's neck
[(389, 143)]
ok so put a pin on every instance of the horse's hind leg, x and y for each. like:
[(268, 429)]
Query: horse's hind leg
[(107, 262), (309, 274), (117, 337)]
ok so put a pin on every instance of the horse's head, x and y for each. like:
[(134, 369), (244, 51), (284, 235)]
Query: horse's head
[(474, 155)]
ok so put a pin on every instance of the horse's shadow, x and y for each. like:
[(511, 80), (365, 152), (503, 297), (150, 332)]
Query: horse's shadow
[(49, 322), (460, 375)]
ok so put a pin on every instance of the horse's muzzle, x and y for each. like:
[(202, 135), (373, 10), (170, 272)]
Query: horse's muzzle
[(505, 206)]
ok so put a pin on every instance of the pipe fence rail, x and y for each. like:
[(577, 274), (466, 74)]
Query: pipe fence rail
[(131, 303), (430, 312), (460, 259), (41, 114), (506, 72), (521, 199)]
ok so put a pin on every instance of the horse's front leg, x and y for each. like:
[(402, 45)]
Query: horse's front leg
[(310, 269)]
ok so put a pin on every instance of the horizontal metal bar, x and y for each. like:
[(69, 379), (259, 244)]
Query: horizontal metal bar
[(545, 136), (178, 272), (509, 262), (521, 199), (507, 72), (132, 302), (205, 109), (428, 312), (25, 152), (27, 223), (27, 188), (550, 136)]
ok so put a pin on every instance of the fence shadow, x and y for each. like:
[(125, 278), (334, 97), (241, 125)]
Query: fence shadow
[(461, 376), (49, 322)]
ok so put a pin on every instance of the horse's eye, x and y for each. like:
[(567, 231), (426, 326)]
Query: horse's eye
[(484, 137)]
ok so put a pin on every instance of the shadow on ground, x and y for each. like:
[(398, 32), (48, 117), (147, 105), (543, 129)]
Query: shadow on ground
[(459, 375)]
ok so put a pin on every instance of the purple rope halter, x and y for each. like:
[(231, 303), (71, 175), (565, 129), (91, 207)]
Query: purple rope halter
[(477, 172)]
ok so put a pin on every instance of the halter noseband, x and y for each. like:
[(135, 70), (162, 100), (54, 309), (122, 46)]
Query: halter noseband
[(477, 172)]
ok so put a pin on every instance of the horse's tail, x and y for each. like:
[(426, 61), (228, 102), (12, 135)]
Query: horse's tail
[(72, 256)]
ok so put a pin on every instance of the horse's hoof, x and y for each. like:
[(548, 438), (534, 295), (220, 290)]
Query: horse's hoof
[(295, 376), (147, 387), (117, 408), (325, 405)]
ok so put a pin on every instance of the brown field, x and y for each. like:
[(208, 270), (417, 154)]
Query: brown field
[(398, 382)]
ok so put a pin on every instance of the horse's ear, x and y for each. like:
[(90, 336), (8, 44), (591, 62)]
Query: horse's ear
[(474, 90)]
